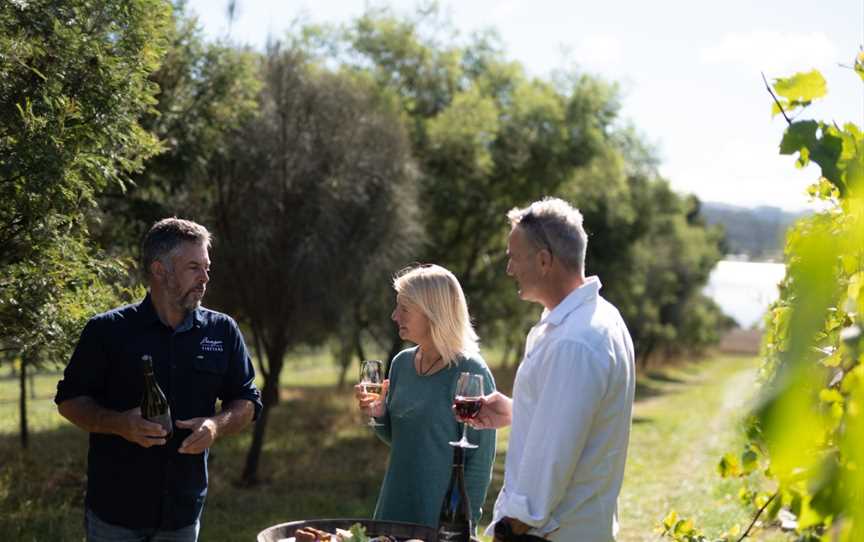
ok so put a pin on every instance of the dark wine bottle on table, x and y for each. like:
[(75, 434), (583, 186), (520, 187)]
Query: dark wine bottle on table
[(454, 523), (154, 405)]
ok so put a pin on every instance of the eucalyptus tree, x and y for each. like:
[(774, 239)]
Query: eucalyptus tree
[(207, 89), (650, 249), (73, 85), (487, 137), (315, 202)]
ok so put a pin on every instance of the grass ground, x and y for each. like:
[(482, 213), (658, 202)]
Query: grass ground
[(320, 460)]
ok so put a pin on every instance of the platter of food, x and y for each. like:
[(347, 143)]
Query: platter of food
[(347, 530), (357, 533)]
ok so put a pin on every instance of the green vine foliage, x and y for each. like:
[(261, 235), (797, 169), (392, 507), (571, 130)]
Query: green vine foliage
[(802, 465)]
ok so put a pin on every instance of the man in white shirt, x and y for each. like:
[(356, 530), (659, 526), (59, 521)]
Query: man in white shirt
[(573, 394)]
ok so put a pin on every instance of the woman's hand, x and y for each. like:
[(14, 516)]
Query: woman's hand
[(372, 404)]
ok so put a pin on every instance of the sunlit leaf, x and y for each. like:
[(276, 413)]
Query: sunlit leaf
[(729, 466), (801, 87), (671, 519), (749, 461)]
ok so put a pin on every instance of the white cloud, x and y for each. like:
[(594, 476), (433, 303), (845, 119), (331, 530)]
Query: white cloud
[(598, 50), (503, 10), (742, 171), (595, 51), (773, 52)]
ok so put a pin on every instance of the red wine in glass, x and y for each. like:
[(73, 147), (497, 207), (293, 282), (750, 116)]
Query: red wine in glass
[(467, 407)]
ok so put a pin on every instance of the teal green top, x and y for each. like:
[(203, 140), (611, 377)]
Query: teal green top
[(418, 425)]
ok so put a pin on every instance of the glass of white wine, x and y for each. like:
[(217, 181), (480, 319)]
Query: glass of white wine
[(372, 381)]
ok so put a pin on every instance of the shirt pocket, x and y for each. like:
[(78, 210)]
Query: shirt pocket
[(208, 377)]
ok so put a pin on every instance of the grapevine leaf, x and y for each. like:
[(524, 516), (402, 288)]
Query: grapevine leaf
[(749, 461), (800, 134), (854, 166), (683, 528), (729, 466), (801, 89), (670, 520), (830, 396)]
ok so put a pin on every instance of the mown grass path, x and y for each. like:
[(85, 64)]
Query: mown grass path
[(685, 419)]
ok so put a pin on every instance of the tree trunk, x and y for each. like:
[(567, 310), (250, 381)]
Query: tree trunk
[(269, 397), (395, 348), (347, 346), (22, 401), (642, 360), (343, 354)]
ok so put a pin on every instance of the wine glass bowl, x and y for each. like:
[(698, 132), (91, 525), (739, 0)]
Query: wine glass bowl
[(372, 382), (467, 403)]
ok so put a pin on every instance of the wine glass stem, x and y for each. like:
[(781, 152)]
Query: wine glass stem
[(464, 432)]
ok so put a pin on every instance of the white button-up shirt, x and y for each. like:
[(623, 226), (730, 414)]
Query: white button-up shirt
[(572, 404)]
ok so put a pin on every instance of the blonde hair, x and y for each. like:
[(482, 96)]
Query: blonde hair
[(436, 292)]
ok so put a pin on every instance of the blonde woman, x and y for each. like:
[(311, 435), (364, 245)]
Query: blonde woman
[(416, 416)]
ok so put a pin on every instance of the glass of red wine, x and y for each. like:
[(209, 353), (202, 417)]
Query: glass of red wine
[(467, 403), (371, 379)]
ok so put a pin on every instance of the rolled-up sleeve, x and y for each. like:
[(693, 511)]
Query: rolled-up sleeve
[(241, 381), (85, 373), (567, 388)]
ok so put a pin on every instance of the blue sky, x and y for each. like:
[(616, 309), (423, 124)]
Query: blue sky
[(689, 70)]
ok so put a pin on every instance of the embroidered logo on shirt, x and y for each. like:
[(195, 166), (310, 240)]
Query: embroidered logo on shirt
[(210, 345)]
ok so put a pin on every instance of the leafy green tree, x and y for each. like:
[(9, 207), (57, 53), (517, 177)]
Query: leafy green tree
[(486, 137), (73, 85), (206, 91), (315, 201), (649, 247), (804, 452)]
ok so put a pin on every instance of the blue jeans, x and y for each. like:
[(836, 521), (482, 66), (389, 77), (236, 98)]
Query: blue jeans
[(99, 531)]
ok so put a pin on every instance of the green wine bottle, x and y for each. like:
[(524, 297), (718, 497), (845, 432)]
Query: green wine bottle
[(154, 405)]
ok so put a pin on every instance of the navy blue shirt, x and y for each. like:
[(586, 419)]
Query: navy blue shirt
[(200, 362)]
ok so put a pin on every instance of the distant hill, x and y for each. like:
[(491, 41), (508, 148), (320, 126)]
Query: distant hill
[(757, 232)]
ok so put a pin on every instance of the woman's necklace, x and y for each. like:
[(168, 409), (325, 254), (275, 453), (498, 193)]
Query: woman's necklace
[(420, 371)]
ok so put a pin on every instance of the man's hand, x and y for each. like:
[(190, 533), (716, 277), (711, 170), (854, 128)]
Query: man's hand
[(134, 428), (511, 529), (372, 404), (496, 412), (204, 432)]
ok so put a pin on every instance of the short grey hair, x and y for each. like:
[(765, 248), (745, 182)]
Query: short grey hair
[(554, 225), (166, 236)]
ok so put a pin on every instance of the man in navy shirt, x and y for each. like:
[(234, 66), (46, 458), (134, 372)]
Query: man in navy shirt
[(143, 484)]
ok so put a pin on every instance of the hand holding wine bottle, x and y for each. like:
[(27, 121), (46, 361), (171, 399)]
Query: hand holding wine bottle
[(132, 426)]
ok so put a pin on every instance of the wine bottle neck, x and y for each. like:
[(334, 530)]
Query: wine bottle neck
[(458, 458)]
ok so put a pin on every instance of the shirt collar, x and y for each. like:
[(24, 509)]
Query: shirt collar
[(589, 290), (148, 315)]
